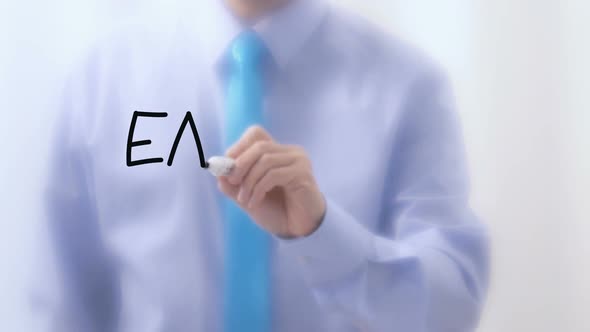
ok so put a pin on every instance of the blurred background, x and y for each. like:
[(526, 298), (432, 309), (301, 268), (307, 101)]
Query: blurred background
[(521, 74)]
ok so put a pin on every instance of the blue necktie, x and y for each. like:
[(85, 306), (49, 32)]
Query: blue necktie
[(246, 284)]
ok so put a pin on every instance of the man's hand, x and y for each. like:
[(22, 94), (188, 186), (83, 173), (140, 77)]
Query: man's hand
[(274, 184)]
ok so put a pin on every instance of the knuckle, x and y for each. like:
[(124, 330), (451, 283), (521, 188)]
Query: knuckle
[(264, 183), (267, 159), (263, 146), (264, 160), (299, 150), (258, 132), (247, 135), (306, 162), (257, 145), (255, 149), (254, 130), (274, 173)]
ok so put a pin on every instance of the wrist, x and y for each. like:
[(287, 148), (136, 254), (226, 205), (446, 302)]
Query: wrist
[(316, 219)]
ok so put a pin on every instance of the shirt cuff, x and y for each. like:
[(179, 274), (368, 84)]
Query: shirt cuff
[(339, 245)]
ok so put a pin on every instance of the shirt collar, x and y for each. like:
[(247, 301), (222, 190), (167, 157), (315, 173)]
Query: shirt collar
[(283, 31)]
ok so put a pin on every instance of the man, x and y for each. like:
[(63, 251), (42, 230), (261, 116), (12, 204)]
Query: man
[(346, 210)]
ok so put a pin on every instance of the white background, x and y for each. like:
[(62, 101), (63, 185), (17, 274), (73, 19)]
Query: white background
[(522, 78)]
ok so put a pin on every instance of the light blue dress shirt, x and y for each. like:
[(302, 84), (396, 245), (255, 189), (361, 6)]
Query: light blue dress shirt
[(141, 248)]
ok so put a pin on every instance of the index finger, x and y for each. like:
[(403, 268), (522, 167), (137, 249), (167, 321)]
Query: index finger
[(252, 135)]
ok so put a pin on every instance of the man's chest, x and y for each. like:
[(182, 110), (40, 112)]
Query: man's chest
[(141, 165)]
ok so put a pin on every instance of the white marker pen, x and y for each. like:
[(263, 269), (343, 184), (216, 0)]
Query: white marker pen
[(220, 166)]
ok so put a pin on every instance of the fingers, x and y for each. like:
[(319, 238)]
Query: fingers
[(276, 177), (278, 170), (227, 188), (245, 161), (263, 165), (250, 136)]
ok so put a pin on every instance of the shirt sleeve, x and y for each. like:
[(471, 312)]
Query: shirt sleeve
[(72, 288), (428, 269)]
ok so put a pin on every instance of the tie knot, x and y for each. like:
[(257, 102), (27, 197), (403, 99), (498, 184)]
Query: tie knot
[(247, 49)]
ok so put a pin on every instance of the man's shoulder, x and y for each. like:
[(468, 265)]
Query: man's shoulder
[(142, 33), (362, 40), (130, 62), (140, 43)]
